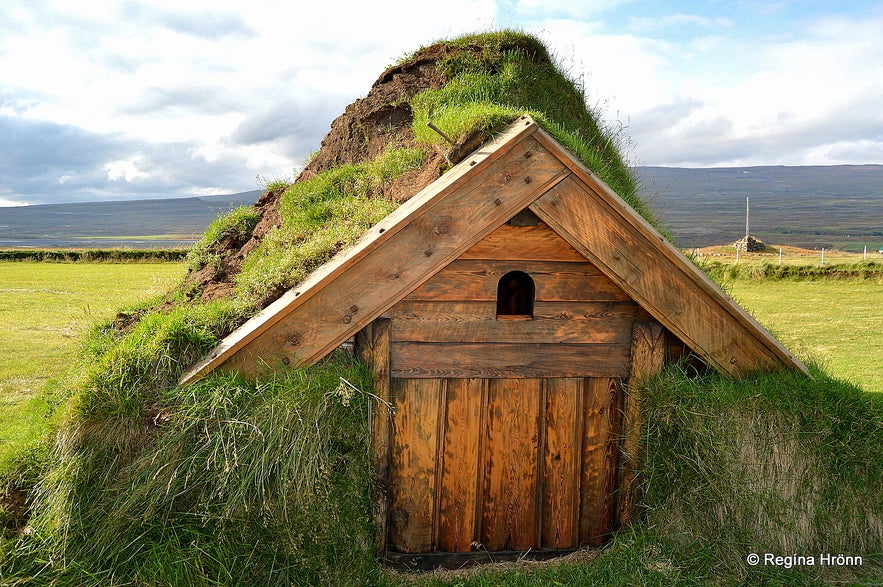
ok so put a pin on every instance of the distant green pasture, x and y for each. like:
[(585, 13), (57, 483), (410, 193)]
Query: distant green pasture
[(45, 309), (839, 323)]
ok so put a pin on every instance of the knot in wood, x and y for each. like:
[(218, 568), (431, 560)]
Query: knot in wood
[(442, 224), (293, 339)]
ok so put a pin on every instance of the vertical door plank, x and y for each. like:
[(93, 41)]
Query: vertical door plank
[(372, 347), (510, 513), (599, 459), (414, 460), (561, 454), (647, 358), (460, 465)]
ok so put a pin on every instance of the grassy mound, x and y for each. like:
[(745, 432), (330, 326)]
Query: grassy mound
[(720, 271), (225, 482), (267, 482), (778, 464), (487, 81)]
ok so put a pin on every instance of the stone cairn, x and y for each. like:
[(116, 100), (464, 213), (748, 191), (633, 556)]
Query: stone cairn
[(749, 244)]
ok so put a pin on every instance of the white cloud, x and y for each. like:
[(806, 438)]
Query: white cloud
[(575, 9), (4, 203), (772, 101), (127, 170), (623, 73), (650, 24), (214, 84), (202, 73)]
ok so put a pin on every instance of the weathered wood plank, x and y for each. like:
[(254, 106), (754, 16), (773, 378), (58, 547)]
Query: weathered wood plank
[(553, 322), (561, 454), (433, 228), (648, 357), (523, 243), (603, 229), (509, 519), (460, 468), (477, 280), (421, 360), (372, 347), (414, 461), (599, 460)]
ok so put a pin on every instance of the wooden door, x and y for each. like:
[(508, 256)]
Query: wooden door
[(499, 432), (501, 464)]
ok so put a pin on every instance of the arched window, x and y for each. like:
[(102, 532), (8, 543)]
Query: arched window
[(515, 294)]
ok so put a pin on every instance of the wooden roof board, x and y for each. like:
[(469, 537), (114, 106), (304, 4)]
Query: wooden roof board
[(396, 256), (522, 167), (607, 231)]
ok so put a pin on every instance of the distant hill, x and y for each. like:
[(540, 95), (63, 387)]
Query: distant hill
[(813, 206), (158, 223)]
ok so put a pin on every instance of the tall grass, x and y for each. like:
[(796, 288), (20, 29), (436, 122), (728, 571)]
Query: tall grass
[(776, 464), (226, 482)]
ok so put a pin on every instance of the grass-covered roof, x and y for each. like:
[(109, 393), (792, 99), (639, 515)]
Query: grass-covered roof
[(382, 151)]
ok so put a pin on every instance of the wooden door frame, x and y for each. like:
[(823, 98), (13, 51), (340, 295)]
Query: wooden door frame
[(372, 346)]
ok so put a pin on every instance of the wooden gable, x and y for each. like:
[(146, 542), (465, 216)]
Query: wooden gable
[(580, 326), (440, 230)]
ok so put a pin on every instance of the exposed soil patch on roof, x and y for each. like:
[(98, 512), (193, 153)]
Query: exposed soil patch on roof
[(360, 134)]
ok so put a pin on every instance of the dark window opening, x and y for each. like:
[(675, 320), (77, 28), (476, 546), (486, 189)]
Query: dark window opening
[(524, 218), (515, 295)]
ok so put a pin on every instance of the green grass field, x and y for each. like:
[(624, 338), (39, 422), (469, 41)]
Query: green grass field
[(45, 310), (838, 323)]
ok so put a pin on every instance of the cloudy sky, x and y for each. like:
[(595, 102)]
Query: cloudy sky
[(120, 99)]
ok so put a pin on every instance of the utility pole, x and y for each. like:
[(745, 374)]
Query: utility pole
[(746, 218)]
